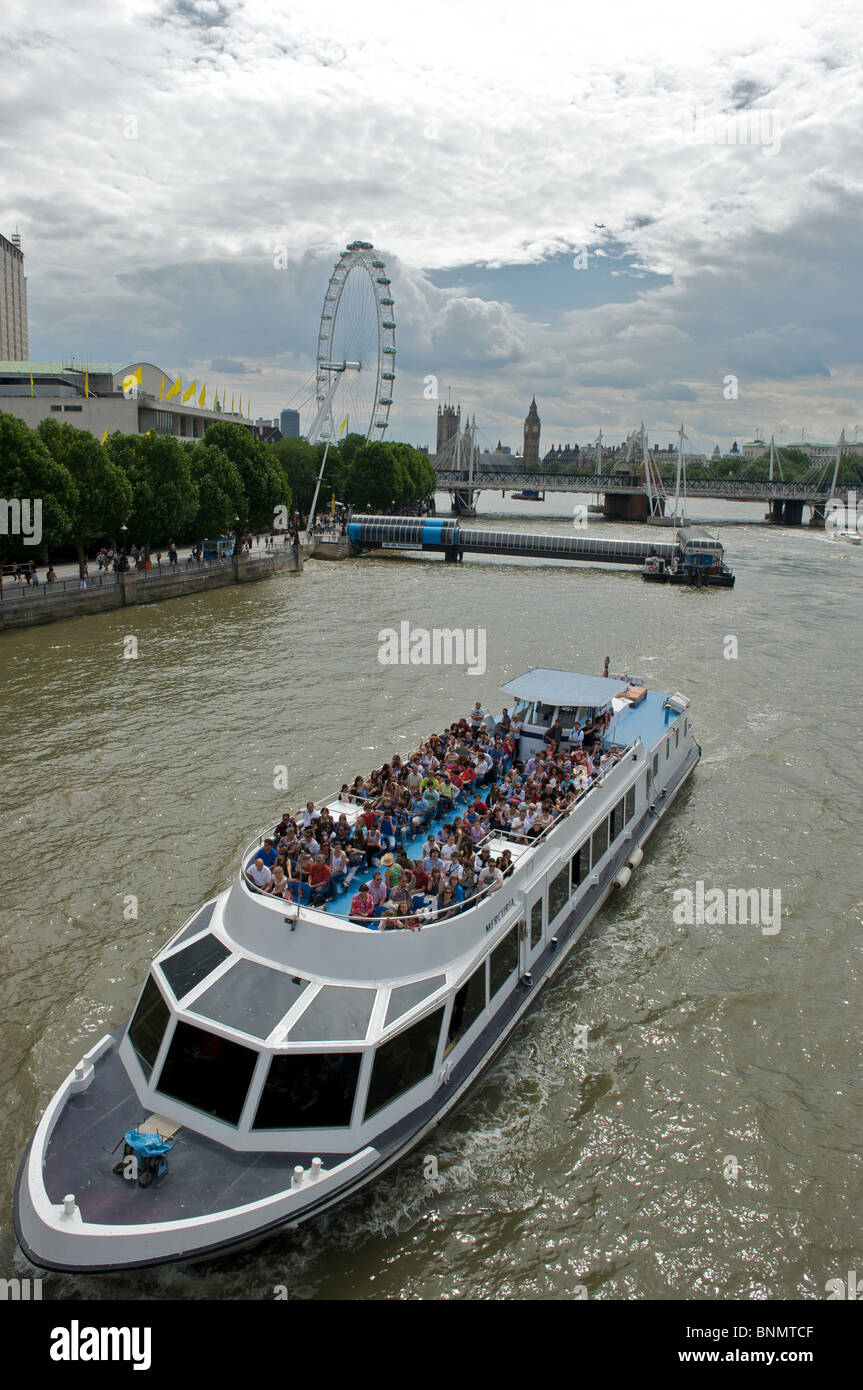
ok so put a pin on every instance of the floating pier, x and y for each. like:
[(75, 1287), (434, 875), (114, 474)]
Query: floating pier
[(693, 557)]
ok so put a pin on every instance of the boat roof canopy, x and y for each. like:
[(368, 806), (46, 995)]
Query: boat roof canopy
[(564, 688)]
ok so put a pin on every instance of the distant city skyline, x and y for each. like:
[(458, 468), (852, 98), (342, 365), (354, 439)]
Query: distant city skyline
[(622, 213)]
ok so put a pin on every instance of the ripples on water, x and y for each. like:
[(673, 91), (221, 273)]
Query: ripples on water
[(601, 1168)]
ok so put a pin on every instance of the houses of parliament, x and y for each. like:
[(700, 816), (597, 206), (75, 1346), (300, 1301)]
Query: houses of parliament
[(449, 425)]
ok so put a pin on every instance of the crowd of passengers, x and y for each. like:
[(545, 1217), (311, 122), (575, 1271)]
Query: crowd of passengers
[(461, 788)]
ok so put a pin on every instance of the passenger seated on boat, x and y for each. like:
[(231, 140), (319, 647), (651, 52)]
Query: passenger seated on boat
[(436, 882), (359, 789), (420, 885), (310, 814), (374, 848), (285, 824), (277, 883), (403, 919), (258, 875), (319, 880), (378, 891), (362, 905), (338, 865), (420, 813), (447, 794), (345, 793), (388, 831), (445, 904), (297, 892)]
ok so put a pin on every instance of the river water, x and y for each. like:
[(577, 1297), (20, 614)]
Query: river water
[(705, 1142)]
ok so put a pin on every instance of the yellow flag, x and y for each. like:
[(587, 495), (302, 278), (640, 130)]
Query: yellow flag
[(344, 426), (232, 402), (137, 374), (32, 392), (189, 392), (202, 399), (240, 407), (175, 389), (105, 435), (87, 385), (162, 387)]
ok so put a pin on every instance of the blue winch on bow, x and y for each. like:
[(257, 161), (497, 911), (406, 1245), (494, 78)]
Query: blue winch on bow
[(144, 1157)]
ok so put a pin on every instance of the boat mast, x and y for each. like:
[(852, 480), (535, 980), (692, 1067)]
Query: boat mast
[(839, 444)]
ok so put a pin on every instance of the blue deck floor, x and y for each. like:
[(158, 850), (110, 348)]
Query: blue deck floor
[(646, 721)]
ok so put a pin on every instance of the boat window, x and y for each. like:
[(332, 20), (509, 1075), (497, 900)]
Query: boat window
[(616, 820), (309, 1091), (655, 765), (504, 959), (403, 1062), (207, 1072), (251, 997), (200, 920), (629, 805), (668, 748), (187, 968), (536, 923), (467, 1006), (340, 1012), (677, 736), (148, 1025), (578, 867), (404, 997), (598, 843), (558, 892)]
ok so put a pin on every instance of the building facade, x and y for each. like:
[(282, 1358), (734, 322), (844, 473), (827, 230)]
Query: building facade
[(14, 326), (289, 424), (104, 397)]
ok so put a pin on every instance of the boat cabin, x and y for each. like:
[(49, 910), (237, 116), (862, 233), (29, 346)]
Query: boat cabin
[(544, 695)]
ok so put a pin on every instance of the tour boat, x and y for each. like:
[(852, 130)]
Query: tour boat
[(281, 1057)]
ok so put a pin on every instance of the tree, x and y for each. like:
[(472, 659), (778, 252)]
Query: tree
[(104, 493), (375, 478), (349, 447), (164, 493), (264, 482), (220, 491), (28, 472), (300, 461)]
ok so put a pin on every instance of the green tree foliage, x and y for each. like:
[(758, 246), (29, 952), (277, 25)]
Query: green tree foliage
[(375, 477), (221, 497), (301, 463), (104, 491), (264, 482), (349, 447), (27, 470), (164, 493)]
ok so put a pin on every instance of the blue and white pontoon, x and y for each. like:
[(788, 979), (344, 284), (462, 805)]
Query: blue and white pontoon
[(281, 1057)]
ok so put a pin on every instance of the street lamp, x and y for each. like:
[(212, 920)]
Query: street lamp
[(123, 529), (237, 537)]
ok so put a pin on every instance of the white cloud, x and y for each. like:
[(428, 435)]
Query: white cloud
[(157, 153)]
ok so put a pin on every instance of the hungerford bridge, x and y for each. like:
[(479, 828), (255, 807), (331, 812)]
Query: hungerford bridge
[(632, 491)]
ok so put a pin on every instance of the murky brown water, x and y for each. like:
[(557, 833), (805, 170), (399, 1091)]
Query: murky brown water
[(605, 1167)]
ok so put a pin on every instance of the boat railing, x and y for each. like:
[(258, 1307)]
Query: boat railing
[(528, 842)]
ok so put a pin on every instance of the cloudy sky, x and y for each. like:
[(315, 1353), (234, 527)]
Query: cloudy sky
[(184, 174)]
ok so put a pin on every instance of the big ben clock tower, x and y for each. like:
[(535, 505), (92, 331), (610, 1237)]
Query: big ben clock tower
[(531, 435)]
